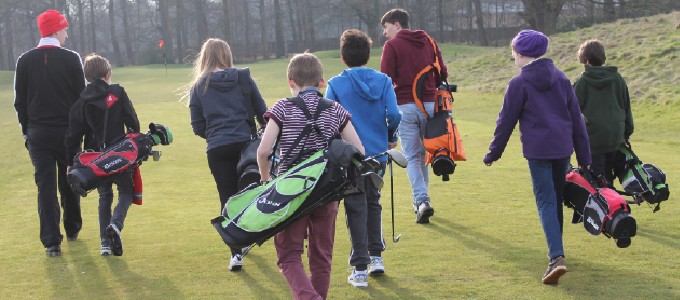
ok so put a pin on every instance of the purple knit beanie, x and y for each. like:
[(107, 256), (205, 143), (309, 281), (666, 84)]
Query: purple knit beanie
[(530, 43)]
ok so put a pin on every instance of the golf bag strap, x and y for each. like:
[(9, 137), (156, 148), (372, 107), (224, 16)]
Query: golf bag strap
[(311, 122), (246, 90), (117, 91)]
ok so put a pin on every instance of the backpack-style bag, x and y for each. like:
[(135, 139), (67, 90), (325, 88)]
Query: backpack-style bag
[(442, 141), (258, 212), (602, 210), (645, 182)]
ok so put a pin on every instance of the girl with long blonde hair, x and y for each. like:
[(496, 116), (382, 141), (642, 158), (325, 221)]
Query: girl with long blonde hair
[(224, 101)]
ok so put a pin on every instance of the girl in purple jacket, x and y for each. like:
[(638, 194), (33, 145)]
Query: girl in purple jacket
[(542, 100)]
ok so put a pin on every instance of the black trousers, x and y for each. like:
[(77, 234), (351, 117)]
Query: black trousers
[(222, 162), (48, 155), (363, 213), (603, 165)]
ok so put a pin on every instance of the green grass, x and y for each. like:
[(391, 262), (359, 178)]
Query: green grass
[(484, 241)]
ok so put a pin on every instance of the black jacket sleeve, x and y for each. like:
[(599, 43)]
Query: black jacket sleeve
[(76, 129), (129, 114)]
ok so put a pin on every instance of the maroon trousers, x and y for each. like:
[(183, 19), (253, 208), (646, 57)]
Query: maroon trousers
[(319, 228)]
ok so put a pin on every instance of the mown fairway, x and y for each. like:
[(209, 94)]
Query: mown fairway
[(484, 241)]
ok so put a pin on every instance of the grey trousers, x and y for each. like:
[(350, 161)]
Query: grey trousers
[(124, 183), (363, 213)]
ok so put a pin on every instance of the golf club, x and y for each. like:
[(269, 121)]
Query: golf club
[(394, 239), (398, 157)]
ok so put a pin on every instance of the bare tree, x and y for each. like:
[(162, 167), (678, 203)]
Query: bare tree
[(114, 42), (263, 31), (609, 10), (278, 27), (293, 26), (179, 24), (246, 14), (81, 26), (201, 21), (126, 33), (226, 25), (166, 36), (542, 14), (480, 23), (93, 28)]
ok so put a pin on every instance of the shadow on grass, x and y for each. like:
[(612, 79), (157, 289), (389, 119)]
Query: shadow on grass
[(137, 286), (74, 273), (265, 266), (592, 272), (663, 238), (386, 282)]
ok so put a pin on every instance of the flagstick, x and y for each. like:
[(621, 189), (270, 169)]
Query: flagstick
[(165, 62)]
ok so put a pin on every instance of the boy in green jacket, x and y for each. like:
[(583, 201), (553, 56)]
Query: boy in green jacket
[(603, 97)]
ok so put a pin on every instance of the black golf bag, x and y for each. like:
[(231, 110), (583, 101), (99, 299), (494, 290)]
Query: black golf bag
[(602, 210), (645, 182), (90, 168)]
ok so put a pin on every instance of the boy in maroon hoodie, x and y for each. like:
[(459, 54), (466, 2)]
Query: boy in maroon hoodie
[(404, 54)]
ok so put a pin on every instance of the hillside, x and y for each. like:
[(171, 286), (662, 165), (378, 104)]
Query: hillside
[(645, 50)]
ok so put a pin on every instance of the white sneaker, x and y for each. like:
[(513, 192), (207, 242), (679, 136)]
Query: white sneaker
[(376, 267), (358, 278), (236, 263)]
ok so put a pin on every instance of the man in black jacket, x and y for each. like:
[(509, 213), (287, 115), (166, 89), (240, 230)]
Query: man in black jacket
[(48, 80)]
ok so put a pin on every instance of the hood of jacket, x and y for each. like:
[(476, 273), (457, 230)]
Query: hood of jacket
[(94, 93), (541, 73), (365, 82), (599, 77), (417, 38), (224, 80)]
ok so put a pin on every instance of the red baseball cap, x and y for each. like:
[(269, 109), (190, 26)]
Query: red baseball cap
[(50, 22)]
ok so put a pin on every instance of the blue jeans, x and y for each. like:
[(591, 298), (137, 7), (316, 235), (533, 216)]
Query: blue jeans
[(548, 180), (411, 132)]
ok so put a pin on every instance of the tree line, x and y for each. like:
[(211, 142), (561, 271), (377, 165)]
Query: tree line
[(128, 32)]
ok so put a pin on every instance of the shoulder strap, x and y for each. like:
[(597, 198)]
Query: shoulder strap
[(117, 91), (311, 121), (246, 90), (419, 80)]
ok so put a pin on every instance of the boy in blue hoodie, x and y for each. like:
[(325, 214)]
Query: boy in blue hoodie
[(542, 100), (369, 96)]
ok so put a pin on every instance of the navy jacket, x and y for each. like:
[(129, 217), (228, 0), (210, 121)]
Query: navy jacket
[(220, 113)]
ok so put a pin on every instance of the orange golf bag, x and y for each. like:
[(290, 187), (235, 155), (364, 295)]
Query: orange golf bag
[(442, 141)]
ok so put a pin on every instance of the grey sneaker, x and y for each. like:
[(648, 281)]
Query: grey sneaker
[(358, 278), (556, 268), (376, 267), (423, 212), (116, 243), (236, 263), (53, 251)]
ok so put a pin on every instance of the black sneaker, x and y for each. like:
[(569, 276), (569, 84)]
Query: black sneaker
[(424, 212), (72, 237), (116, 243), (52, 251)]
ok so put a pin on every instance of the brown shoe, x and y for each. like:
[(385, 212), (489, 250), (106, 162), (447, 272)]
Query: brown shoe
[(556, 269)]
